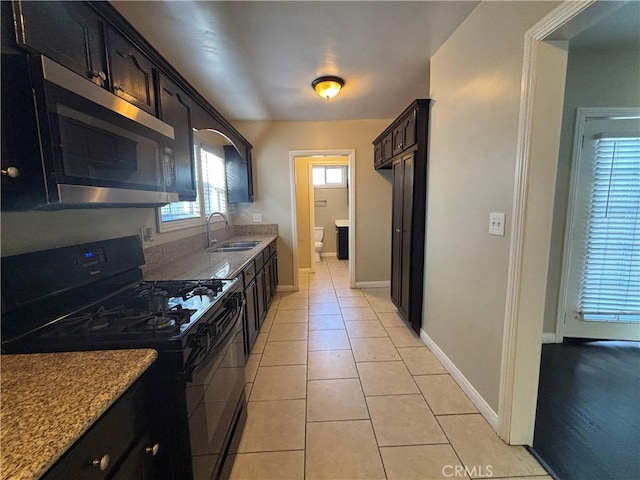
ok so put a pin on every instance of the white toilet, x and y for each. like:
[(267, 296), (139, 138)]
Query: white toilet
[(317, 239)]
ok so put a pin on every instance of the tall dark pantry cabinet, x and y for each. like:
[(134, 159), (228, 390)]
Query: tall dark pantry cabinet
[(402, 147)]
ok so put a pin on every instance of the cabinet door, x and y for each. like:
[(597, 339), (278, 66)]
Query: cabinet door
[(401, 233), (409, 130), (377, 155), (398, 139), (70, 33), (250, 318), (261, 293), (131, 73), (239, 181), (175, 109), (396, 234), (407, 217), (387, 147)]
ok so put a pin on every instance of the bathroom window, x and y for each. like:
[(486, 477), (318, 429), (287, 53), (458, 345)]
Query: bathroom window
[(211, 194), (329, 176)]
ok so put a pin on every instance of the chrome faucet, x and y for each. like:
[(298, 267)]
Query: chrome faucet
[(208, 224)]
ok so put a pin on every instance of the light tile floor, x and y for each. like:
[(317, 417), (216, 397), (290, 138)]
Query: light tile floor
[(340, 388)]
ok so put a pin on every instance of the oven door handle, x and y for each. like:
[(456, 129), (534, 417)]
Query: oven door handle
[(200, 354)]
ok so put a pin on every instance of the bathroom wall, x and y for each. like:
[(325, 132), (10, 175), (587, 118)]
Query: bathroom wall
[(330, 204), (303, 215)]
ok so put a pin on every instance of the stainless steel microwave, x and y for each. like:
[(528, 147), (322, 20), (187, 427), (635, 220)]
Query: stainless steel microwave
[(95, 149)]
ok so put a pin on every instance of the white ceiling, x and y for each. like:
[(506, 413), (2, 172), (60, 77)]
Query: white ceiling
[(256, 60), (619, 29)]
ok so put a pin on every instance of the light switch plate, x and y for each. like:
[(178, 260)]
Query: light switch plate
[(257, 218), (496, 224)]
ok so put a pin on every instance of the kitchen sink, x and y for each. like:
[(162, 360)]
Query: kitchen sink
[(235, 246), (230, 249), (240, 244)]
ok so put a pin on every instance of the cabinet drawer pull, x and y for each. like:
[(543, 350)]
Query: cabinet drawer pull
[(102, 463), (153, 450), (11, 172)]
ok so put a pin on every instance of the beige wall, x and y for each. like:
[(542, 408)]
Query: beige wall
[(272, 143), (475, 85), (595, 78), (303, 216)]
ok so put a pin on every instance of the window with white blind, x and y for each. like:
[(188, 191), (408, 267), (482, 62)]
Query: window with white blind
[(211, 194), (600, 293), (610, 286)]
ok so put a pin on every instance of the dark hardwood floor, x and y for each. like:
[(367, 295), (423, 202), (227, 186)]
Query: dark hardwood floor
[(588, 416)]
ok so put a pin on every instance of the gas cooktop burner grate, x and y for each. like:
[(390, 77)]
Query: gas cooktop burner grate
[(121, 320)]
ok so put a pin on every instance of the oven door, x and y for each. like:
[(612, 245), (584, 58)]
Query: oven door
[(215, 390)]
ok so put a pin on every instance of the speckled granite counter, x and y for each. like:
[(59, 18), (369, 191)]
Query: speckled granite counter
[(50, 399), (203, 264)]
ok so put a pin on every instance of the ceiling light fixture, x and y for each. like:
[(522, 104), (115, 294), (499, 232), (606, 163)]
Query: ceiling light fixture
[(327, 87)]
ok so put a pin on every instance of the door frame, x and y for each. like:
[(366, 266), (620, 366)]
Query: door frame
[(351, 164), (521, 345)]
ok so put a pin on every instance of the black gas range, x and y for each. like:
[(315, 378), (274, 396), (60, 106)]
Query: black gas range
[(93, 296)]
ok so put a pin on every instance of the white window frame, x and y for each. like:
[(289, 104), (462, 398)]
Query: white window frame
[(342, 184), (173, 225)]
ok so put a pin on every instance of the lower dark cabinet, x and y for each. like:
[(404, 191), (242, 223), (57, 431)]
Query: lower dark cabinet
[(342, 243), (119, 446), (260, 280)]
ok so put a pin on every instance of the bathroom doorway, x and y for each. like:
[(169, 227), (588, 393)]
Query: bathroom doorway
[(316, 203)]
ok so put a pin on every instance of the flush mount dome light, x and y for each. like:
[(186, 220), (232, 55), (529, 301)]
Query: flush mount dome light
[(327, 87)]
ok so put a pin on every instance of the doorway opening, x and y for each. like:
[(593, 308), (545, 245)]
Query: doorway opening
[(325, 203)]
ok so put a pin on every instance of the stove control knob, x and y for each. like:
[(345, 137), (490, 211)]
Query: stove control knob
[(153, 450), (102, 463)]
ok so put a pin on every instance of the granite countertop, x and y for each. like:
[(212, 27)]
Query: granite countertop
[(204, 264), (50, 399)]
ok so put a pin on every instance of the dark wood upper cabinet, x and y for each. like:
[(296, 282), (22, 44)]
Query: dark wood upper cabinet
[(71, 33), (397, 138), (409, 207), (239, 175), (93, 40), (175, 109), (131, 73)]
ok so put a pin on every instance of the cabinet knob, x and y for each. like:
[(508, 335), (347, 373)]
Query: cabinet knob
[(100, 73), (153, 450), (118, 88), (398, 230), (11, 172), (102, 463)]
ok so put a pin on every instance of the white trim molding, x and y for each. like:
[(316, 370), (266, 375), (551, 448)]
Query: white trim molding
[(378, 284), (517, 354), (548, 338), (483, 407), (351, 162), (285, 288)]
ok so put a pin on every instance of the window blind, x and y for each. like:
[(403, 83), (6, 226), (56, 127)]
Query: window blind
[(610, 288)]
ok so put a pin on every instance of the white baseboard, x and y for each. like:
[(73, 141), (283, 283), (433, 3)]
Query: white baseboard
[(328, 254), (285, 288), (484, 408), (381, 284), (304, 270), (548, 338)]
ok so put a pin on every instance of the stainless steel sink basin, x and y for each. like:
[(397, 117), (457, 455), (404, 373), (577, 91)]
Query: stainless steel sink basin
[(239, 244), (230, 249)]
